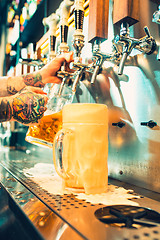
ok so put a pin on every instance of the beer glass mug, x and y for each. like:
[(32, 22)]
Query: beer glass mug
[(42, 134), (80, 148)]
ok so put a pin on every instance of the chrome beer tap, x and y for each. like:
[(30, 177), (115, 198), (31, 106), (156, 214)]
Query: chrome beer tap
[(32, 62), (51, 22), (36, 62), (146, 44), (156, 16), (64, 12), (156, 19), (100, 57), (78, 43)]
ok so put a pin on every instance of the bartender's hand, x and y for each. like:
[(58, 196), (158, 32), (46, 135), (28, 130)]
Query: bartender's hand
[(28, 105), (49, 72)]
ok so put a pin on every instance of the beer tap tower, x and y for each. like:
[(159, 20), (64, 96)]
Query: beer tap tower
[(125, 14)]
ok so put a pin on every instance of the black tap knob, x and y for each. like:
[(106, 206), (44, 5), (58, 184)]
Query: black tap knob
[(119, 124), (150, 124)]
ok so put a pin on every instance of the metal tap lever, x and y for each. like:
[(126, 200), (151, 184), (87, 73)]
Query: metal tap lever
[(146, 44)]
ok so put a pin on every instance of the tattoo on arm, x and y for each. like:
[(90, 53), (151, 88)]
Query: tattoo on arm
[(33, 80), (28, 107), (11, 89), (5, 110)]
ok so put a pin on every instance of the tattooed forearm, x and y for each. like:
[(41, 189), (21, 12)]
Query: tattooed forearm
[(5, 110), (15, 84), (28, 107), (33, 80)]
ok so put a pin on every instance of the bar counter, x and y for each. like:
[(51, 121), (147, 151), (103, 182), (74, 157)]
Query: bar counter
[(35, 210)]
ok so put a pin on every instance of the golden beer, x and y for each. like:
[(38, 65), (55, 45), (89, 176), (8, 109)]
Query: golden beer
[(43, 133)]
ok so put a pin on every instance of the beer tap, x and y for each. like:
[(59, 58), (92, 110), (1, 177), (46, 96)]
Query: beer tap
[(156, 19), (51, 22), (97, 33), (34, 61), (156, 16), (126, 14), (78, 43), (100, 57), (145, 44), (64, 12)]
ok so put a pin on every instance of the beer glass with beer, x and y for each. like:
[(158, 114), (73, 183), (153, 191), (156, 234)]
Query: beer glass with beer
[(80, 149), (42, 134)]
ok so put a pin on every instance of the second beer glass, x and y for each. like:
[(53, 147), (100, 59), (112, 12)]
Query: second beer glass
[(43, 133)]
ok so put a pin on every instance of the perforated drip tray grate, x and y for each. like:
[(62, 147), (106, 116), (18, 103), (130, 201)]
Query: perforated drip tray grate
[(96, 221)]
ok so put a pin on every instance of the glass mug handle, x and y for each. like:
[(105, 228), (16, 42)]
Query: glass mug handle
[(58, 151)]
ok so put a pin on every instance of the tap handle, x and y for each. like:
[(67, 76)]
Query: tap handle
[(63, 33), (51, 22), (79, 14), (64, 12), (147, 44), (78, 37), (146, 29)]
